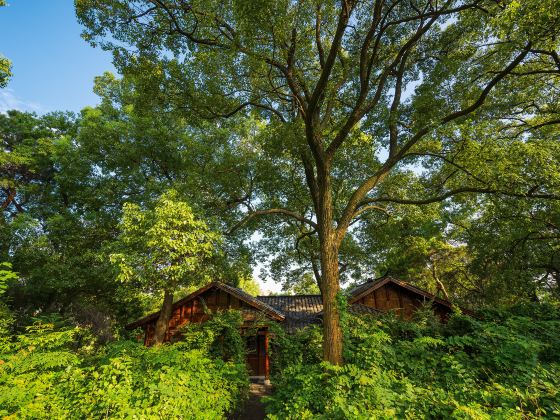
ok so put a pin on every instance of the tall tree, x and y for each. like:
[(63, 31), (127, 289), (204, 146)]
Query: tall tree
[(348, 93)]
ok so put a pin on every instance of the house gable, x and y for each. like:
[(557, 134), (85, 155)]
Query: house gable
[(197, 306), (389, 294)]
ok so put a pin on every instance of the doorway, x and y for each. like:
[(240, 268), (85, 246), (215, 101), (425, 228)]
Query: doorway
[(257, 353)]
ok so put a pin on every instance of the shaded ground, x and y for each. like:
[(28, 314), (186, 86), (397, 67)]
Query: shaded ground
[(253, 409)]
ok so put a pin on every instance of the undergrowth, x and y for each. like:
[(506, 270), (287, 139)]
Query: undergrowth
[(54, 371), (503, 365)]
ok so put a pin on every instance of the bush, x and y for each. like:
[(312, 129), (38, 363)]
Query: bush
[(506, 366), (52, 372)]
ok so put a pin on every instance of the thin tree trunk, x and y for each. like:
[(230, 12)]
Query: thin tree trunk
[(317, 274), (164, 317), (440, 285)]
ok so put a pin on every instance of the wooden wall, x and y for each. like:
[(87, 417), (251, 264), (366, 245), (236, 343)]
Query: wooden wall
[(196, 310), (390, 297)]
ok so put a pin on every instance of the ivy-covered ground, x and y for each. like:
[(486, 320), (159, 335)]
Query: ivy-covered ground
[(505, 364)]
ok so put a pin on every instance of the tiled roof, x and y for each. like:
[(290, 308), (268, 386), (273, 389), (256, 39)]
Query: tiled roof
[(360, 309), (255, 301), (300, 310)]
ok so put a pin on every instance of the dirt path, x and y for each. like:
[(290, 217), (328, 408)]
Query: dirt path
[(253, 408)]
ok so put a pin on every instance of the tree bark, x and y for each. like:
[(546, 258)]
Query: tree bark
[(440, 285), (332, 331), (328, 239), (164, 317)]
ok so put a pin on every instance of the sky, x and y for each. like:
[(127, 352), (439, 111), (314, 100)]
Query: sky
[(53, 66)]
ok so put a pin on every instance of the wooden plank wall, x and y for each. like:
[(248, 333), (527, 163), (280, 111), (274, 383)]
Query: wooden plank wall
[(196, 310), (404, 302)]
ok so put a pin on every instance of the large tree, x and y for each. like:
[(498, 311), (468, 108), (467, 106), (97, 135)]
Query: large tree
[(346, 95)]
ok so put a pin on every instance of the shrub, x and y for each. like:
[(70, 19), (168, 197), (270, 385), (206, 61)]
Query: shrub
[(506, 366), (52, 372)]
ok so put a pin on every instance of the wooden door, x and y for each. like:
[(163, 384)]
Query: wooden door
[(256, 355)]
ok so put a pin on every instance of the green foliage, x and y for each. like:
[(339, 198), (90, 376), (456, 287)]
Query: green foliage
[(303, 347), (164, 247), (406, 110), (306, 285), (5, 70), (504, 365), (219, 336), (52, 224), (57, 372), (249, 285), (6, 274), (6, 316), (63, 183)]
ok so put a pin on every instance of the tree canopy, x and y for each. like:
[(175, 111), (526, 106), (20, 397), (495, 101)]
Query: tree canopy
[(162, 249), (359, 106)]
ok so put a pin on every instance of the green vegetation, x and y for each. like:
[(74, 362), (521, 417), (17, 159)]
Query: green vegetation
[(505, 365), (358, 109), (327, 141), (163, 249), (54, 371)]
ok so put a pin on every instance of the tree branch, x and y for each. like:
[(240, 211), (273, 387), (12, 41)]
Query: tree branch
[(458, 191), (320, 50), (281, 211), (344, 16), (371, 207)]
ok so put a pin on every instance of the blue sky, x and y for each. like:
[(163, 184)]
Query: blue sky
[(53, 66)]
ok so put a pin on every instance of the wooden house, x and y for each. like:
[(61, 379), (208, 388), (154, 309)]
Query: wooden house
[(389, 294), (292, 312), (208, 299)]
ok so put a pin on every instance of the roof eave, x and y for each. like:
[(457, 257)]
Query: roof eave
[(256, 304)]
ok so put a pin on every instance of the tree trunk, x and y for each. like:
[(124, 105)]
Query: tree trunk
[(440, 285), (164, 316), (332, 331)]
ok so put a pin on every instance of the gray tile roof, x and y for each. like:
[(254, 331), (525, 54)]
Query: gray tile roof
[(360, 309), (300, 310), (259, 303)]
